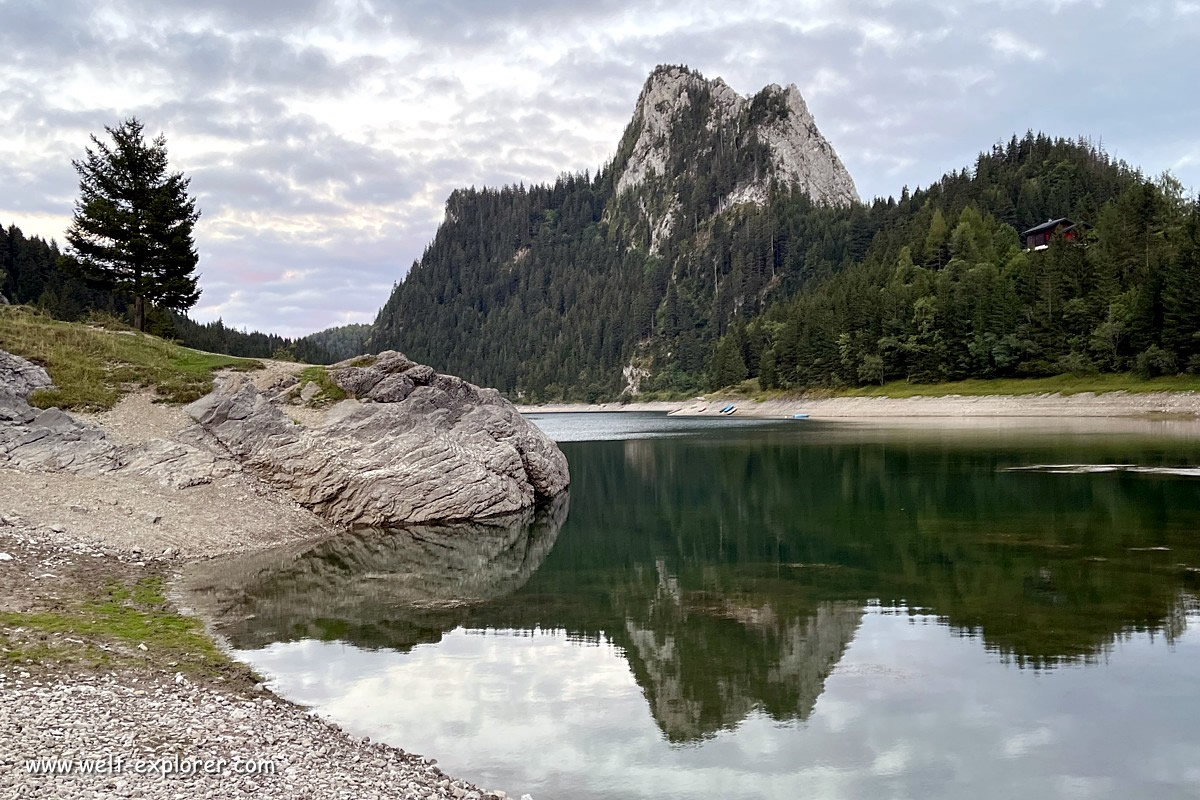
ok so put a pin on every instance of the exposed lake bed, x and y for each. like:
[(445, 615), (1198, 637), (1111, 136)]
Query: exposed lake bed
[(769, 609)]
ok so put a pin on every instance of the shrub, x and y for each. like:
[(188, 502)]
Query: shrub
[(1077, 364), (1154, 361)]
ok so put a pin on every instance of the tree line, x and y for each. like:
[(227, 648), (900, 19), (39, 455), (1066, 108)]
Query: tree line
[(36, 272)]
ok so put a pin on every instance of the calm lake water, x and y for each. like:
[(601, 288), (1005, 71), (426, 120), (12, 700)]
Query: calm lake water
[(727, 608)]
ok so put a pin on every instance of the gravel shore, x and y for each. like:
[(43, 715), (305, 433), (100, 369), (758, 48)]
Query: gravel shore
[(1084, 404), (167, 737)]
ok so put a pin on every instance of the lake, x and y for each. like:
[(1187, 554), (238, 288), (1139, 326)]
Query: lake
[(732, 608)]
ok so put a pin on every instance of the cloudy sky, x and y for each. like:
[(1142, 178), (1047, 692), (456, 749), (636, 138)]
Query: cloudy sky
[(323, 137)]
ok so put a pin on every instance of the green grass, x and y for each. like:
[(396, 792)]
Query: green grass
[(111, 626), (330, 391), (93, 365), (1060, 384)]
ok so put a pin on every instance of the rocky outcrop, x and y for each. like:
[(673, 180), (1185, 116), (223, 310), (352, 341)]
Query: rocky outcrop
[(19, 378), (50, 440), (777, 117), (409, 446)]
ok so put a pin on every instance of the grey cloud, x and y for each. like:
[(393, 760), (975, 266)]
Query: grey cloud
[(476, 23), (910, 90)]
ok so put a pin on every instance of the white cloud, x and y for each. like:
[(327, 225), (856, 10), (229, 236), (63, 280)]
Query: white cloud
[(1012, 46)]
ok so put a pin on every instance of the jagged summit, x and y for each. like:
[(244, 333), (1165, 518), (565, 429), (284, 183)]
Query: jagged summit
[(685, 123)]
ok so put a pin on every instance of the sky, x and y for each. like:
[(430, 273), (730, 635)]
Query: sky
[(323, 137)]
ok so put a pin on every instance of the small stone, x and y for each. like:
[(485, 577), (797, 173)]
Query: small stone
[(142, 646), (151, 518), (56, 528), (5, 557)]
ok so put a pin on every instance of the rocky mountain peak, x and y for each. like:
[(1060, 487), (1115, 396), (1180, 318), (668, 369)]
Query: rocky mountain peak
[(681, 110)]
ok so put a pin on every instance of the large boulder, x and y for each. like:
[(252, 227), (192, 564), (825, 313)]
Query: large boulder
[(409, 446)]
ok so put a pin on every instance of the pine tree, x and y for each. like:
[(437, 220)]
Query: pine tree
[(728, 368), (132, 229), (768, 374), (1181, 296)]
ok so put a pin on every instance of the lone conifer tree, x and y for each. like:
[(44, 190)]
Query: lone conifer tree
[(132, 230)]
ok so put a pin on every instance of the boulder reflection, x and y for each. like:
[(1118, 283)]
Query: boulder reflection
[(376, 588)]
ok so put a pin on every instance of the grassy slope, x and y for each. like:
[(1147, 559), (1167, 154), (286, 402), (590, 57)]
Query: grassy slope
[(92, 366), (1060, 384)]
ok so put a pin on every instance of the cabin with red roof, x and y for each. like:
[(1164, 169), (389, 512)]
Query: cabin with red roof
[(1038, 237)]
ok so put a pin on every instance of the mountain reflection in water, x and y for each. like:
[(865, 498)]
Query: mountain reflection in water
[(732, 569)]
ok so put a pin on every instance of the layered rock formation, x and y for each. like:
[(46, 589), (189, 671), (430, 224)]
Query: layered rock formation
[(409, 446), (49, 440)]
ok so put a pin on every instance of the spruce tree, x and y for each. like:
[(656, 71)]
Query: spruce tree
[(132, 229), (1181, 296), (728, 368)]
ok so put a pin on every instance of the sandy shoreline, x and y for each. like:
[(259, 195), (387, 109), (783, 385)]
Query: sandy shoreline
[(1086, 404)]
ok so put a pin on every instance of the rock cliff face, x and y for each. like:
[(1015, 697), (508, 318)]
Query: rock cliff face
[(676, 103), (410, 446)]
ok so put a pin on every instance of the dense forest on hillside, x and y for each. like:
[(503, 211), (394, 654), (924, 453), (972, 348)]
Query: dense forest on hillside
[(553, 292), (35, 272)]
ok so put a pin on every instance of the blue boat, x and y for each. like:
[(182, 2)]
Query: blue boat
[(726, 409), (799, 416)]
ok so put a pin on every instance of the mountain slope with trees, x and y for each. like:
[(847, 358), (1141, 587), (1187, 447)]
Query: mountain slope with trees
[(575, 291)]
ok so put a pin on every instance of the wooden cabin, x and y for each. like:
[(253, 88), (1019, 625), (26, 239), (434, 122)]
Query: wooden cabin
[(1038, 237)]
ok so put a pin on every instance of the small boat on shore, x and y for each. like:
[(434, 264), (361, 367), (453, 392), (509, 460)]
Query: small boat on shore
[(799, 416)]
